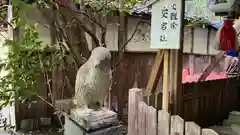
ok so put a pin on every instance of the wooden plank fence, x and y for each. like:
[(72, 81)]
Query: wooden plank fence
[(209, 102), (146, 120)]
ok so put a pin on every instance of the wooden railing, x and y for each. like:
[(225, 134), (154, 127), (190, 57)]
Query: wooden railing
[(146, 120)]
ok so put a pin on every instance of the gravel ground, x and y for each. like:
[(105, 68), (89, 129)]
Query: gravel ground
[(48, 133), (32, 133)]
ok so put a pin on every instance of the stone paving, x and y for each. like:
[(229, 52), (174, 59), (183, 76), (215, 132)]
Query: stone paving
[(2, 133)]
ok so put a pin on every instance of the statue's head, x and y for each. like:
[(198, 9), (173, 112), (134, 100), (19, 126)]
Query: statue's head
[(101, 57)]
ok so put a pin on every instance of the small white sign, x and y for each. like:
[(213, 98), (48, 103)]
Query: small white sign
[(165, 24)]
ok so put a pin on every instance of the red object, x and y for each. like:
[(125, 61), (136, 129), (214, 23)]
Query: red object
[(184, 74), (228, 36), (194, 78)]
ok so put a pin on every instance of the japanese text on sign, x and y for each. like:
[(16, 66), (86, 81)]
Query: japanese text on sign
[(166, 24), (170, 14)]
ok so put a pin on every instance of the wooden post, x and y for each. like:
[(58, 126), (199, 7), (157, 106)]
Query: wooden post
[(121, 41), (163, 123), (177, 125), (191, 128), (172, 77), (208, 39), (176, 55), (176, 82), (209, 132), (191, 64), (192, 39), (191, 57), (151, 121), (14, 108), (135, 97), (165, 99), (10, 17), (142, 109)]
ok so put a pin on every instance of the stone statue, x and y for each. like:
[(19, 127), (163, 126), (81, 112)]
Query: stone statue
[(93, 80), (92, 84)]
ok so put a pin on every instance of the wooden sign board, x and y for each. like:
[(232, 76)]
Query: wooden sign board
[(166, 24)]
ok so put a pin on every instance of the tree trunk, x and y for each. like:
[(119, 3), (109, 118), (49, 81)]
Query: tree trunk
[(76, 38)]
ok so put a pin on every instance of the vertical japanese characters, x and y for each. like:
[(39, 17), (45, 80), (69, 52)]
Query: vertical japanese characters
[(173, 17), (166, 24), (169, 16)]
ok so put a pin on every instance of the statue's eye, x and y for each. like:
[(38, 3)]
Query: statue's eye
[(101, 61)]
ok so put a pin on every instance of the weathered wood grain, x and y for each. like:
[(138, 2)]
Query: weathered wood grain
[(208, 132), (165, 97), (163, 123), (135, 96), (142, 108), (151, 119), (177, 125), (191, 128), (155, 73)]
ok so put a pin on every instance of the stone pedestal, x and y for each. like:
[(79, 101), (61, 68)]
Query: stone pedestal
[(81, 122)]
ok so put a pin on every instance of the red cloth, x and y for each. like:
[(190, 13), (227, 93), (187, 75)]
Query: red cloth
[(228, 36)]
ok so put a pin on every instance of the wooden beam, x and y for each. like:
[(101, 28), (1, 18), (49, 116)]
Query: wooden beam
[(210, 67), (155, 73)]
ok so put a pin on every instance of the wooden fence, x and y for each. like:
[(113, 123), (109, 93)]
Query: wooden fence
[(209, 102), (146, 120)]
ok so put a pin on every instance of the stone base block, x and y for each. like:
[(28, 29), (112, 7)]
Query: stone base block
[(85, 122)]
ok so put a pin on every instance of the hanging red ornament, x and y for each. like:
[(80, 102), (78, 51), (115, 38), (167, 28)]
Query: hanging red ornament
[(228, 36)]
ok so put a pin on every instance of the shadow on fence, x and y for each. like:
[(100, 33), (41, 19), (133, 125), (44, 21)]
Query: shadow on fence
[(146, 120)]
